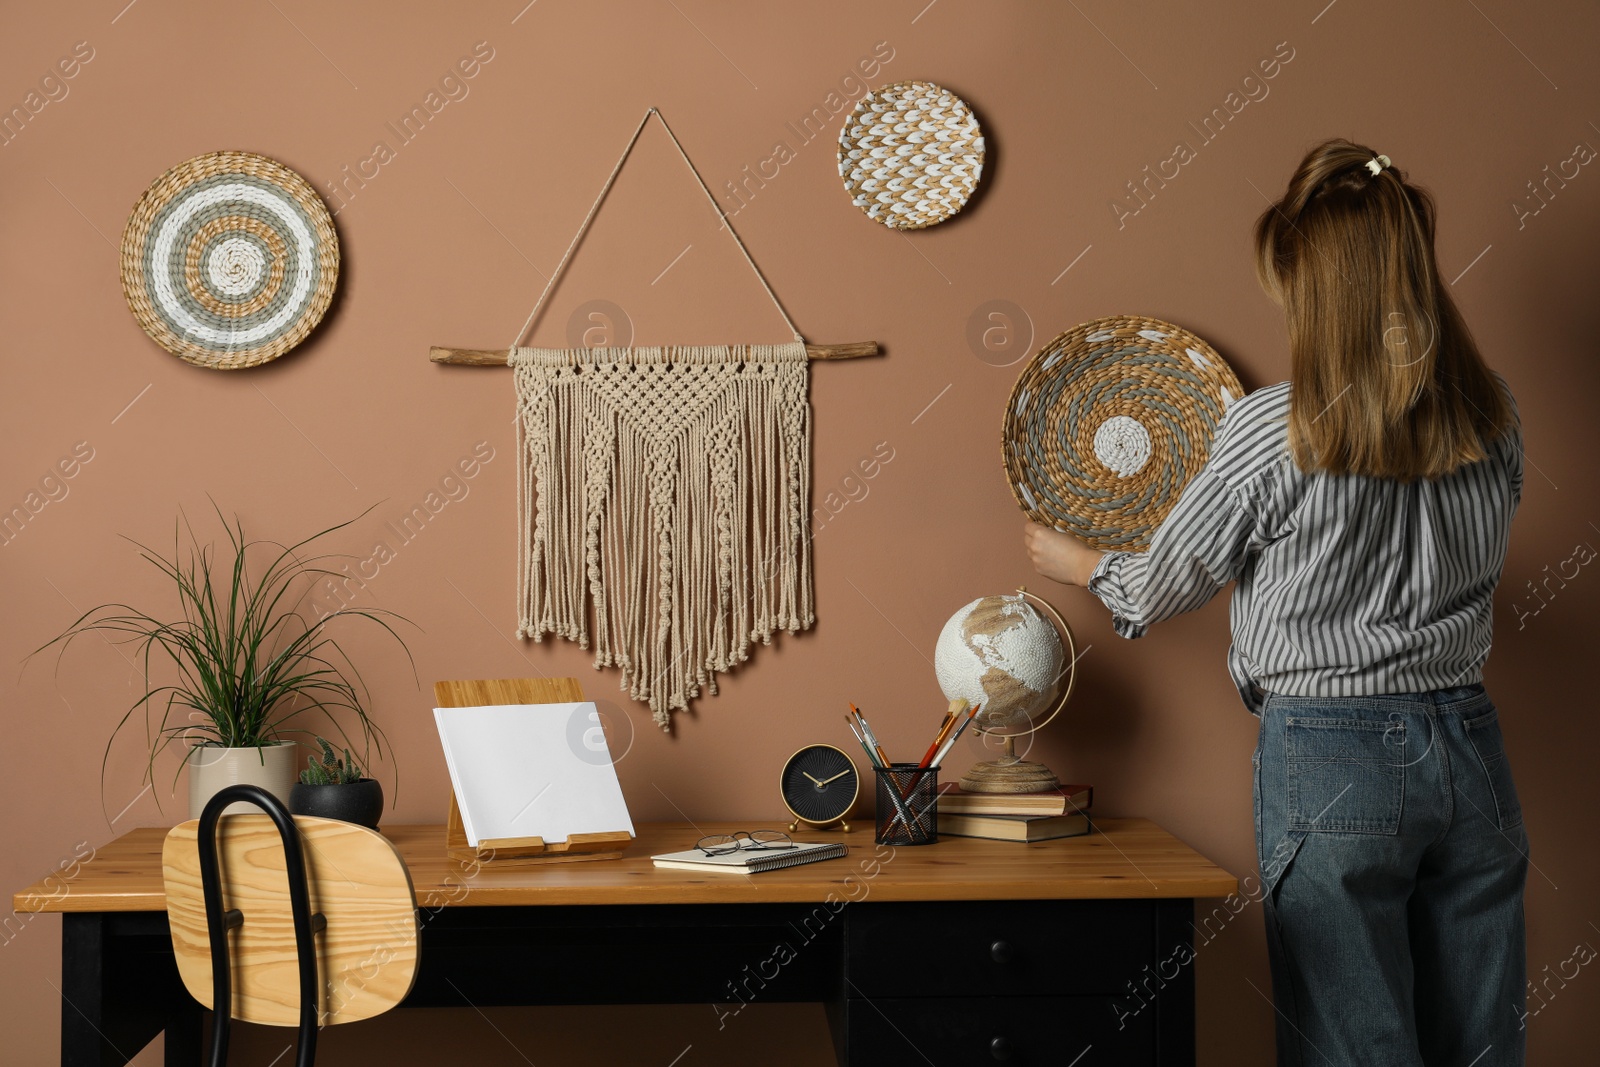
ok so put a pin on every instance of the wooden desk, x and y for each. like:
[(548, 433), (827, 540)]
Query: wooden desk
[(969, 948)]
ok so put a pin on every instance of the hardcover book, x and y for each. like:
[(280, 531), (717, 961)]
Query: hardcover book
[(1058, 801), (1027, 828)]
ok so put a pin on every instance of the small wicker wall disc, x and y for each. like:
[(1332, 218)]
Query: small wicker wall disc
[(910, 154), (229, 260), (1108, 423)]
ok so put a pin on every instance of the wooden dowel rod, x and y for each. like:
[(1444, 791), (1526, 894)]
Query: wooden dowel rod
[(469, 357), (496, 357)]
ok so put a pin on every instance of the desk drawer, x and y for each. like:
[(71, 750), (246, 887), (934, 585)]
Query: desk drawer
[(998, 948), (1017, 1031), (621, 954)]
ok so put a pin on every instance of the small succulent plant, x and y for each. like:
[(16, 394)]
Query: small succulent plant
[(329, 769)]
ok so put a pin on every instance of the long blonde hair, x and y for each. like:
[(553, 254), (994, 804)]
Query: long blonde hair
[(1387, 380)]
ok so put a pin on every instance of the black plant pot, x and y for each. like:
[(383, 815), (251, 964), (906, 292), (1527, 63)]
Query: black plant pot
[(360, 802)]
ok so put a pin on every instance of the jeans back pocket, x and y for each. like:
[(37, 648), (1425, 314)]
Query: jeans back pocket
[(1345, 775), (1484, 734)]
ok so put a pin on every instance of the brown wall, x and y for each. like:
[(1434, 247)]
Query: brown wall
[(452, 239)]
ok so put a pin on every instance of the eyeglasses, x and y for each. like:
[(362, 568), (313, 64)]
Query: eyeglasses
[(751, 841)]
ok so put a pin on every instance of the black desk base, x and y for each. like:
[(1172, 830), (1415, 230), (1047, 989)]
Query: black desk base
[(1084, 982)]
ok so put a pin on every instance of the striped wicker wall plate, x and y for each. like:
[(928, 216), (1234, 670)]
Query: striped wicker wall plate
[(910, 154), (229, 260), (1107, 424)]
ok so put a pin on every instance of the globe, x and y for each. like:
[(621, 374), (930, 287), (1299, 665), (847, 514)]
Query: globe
[(1003, 654)]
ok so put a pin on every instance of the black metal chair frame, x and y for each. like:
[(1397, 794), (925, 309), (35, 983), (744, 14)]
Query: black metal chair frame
[(218, 922)]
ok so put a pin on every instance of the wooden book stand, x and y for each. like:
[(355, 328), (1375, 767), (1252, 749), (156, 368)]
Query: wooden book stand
[(519, 851)]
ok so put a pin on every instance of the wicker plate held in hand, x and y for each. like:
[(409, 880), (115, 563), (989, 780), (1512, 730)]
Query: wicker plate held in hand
[(1108, 423), (229, 260), (910, 154)]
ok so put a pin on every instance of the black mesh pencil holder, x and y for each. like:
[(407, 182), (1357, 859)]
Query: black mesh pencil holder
[(908, 805)]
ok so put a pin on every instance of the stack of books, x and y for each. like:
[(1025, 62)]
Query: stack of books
[(1043, 816)]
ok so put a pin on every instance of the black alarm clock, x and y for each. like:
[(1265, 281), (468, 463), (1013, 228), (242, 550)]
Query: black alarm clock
[(820, 785)]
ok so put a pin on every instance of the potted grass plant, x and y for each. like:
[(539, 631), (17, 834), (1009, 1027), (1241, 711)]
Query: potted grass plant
[(243, 662), (334, 788)]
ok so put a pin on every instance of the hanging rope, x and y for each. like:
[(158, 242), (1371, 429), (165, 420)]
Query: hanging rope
[(595, 208)]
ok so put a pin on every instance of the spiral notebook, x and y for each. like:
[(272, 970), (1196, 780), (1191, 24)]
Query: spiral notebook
[(752, 861)]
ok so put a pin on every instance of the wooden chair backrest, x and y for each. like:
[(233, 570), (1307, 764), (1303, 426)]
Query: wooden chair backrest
[(367, 953)]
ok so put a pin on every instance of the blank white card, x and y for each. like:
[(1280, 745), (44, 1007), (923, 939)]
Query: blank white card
[(531, 770)]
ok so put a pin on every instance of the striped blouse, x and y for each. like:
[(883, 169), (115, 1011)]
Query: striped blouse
[(1347, 585)]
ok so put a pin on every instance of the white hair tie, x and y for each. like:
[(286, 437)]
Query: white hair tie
[(1376, 164)]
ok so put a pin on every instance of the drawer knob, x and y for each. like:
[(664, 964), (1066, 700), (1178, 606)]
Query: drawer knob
[(1000, 952), (1000, 1048)]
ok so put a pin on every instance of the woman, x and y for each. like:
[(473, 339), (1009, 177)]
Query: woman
[(1363, 508)]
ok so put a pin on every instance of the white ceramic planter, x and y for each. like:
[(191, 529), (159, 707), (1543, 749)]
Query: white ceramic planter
[(273, 767)]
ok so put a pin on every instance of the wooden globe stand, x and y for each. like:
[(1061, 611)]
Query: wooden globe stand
[(1008, 774)]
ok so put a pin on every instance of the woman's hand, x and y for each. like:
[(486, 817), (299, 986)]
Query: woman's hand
[(1060, 556)]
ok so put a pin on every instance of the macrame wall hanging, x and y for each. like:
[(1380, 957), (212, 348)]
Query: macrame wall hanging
[(664, 490)]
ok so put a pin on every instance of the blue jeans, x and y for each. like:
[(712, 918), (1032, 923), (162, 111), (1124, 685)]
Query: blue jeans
[(1393, 859)]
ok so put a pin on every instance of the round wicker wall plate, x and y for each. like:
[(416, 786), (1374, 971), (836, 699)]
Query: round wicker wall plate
[(229, 260), (1107, 424), (910, 154)]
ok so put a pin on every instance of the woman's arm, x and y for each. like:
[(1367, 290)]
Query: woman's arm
[(1220, 518), (1202, 546)]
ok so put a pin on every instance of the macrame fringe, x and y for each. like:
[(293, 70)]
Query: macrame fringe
[(666, 488)]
